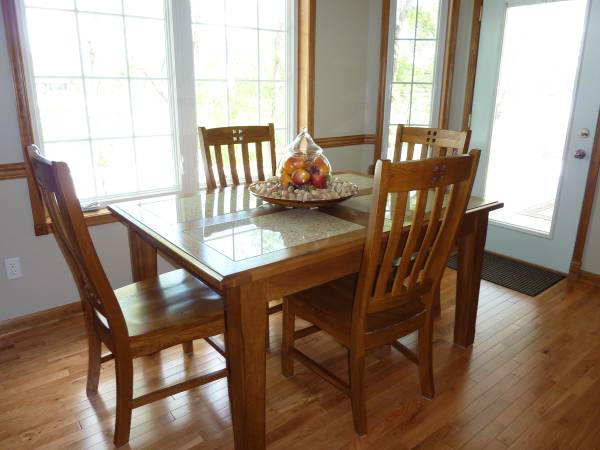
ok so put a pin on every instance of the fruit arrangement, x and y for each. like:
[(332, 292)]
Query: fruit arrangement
[(305, 178), (301, 171), (303, 165)]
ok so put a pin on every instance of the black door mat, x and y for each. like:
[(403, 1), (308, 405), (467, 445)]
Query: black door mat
[(514, 275)]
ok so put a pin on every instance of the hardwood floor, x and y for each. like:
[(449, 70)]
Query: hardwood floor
[(531, 381)]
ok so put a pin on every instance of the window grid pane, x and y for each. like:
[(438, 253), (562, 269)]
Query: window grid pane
[(415, 48), (240, 62), (113, 100)]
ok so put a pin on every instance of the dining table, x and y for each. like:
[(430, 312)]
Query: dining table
[(253, 252)]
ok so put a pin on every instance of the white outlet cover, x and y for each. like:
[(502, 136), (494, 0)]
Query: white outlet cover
[(13, 268)]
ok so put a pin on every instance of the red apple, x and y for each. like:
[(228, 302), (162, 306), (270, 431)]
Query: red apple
[(318, 180), (320, 165), (300, 177), (293, 163)]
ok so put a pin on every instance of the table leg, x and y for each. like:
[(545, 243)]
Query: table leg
[(246, 323), (471, 244), (143, 258)]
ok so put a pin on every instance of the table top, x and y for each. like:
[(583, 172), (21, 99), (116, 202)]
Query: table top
[(227, 232)]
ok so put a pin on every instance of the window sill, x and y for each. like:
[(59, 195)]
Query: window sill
[(92, 218)]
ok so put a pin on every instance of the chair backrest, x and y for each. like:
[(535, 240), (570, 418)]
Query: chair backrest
[(422, 239), (225, 139), (68, 225), (431, 142)]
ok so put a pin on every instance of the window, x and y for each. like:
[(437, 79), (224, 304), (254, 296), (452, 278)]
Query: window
[(413, 93), (113, 84), (240, 55)]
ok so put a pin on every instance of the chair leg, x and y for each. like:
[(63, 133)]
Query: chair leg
[(94, 355), (426, 358), (287, 339), (356, 362), (124, 375), (188, 347), (436, 305)]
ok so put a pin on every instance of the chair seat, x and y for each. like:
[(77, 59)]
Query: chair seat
[(175, 307), (329, 306)]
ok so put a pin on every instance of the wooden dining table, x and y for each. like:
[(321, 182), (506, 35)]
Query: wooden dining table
[(253, 252)]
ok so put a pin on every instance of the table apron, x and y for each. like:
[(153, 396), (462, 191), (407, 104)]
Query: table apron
[(297, 280)]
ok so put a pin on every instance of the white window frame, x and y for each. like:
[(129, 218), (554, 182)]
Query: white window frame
[(180, 67), (438, 71)]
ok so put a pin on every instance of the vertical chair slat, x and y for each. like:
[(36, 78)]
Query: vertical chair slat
[(219, 159), (207, 160), (259, 161), (398, 145), (410, 152), (412, 241), (272, 149), (246, 158), (392, 244), (430, 235), (233, 164)]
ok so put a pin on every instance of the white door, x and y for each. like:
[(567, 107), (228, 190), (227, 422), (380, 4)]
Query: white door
[(536, 93)]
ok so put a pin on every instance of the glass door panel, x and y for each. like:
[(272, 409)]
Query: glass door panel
[(538, 68)]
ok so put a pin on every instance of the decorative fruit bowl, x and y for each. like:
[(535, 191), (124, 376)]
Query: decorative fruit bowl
[(304, 179), (273, 191), (304, 165)]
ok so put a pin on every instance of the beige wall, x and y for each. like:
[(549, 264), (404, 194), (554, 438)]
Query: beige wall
[(346, 76)]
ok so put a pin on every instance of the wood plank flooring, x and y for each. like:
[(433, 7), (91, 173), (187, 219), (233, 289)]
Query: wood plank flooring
[(531, 381)]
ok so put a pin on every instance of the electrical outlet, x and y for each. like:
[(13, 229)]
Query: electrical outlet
[(13, 268)]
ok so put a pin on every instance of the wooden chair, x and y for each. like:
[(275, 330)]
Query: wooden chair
[(385, 302), (433, 142), (229, 137), (133, 321), (217, 138), (421, 143)]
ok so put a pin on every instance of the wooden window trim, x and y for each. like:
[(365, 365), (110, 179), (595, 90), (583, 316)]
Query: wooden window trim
[(383, 68), (345, 141), (472, 64), (305, 101), (12, 171), (41, 222), (15, 55), (449, 62)]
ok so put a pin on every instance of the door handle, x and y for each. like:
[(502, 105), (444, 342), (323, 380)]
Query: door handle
[(579, 154)]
